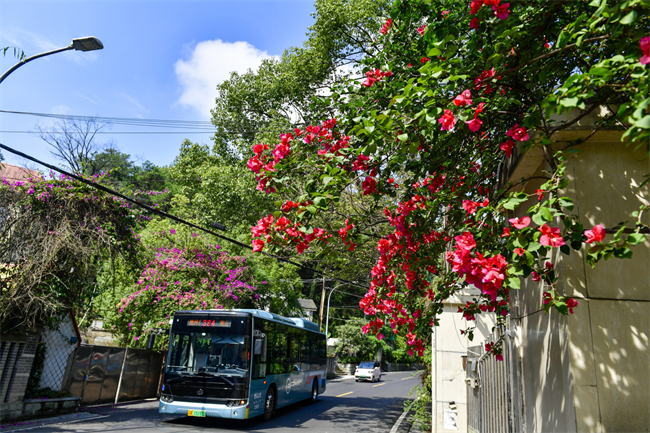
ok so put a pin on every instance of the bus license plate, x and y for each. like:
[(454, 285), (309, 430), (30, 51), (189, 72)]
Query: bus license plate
[(195, 413)]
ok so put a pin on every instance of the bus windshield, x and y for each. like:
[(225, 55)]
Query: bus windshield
[(211, 345)]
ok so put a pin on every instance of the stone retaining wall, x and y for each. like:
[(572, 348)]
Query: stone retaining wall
[(34, 408)]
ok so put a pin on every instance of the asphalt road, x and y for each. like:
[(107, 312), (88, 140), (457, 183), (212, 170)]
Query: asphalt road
[(346, 407)]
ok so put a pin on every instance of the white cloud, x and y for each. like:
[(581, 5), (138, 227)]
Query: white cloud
[(211, 63)]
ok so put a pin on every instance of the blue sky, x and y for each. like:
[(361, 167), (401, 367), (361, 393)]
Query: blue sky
[(161, 60)]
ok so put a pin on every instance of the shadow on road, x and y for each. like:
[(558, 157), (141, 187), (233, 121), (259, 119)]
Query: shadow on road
[(376, 414)]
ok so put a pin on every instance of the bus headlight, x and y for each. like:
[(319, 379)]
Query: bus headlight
[(166, 398), (232, 403)]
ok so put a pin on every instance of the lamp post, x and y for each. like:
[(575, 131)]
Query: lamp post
[(89, 43), (327, 320)]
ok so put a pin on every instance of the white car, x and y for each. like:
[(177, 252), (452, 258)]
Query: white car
[(368, 370)]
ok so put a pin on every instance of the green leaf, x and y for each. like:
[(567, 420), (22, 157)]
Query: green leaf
[(576, 245), (565, 249), (534, 246), (629, 18), (643, 123), (312, 209), (566, 202), (635, 238), (513, 283), (623, 253), (327, 179), (569, 102), (434, 52), (403, 137)]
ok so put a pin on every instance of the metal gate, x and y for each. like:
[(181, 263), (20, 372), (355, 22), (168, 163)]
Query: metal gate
[(489, 396), (101, 374)]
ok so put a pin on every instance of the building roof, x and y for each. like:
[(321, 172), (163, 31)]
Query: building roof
[(13, 172), (307, 304)]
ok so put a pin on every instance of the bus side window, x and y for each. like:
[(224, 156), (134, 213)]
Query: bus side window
[(260, 344)]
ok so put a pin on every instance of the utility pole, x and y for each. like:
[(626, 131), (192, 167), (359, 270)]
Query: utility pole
[(322, 307)]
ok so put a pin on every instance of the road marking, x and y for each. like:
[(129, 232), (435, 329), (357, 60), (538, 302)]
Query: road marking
[(347, 393), (407, 378), (381, 384)]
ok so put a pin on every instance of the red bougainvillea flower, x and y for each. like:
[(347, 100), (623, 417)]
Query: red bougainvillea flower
[(422, 29), (507, 146), (506, 232), (501, 11), (387, 25), (465, 98), (547, 299), (540, 194), (475, 5), (470, 206), (474, 124), (571, 303), (645, 47), (258, 244), (369, 81), (518, 133), (369, 186), (424, 59), (536, 276), (255, 165), (479, 109), (448, 121), (520, 223), (597, 234), (520, 251), (474, 23), (551, 236)]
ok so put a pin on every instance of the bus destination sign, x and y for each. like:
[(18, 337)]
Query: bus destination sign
[(207, 323)]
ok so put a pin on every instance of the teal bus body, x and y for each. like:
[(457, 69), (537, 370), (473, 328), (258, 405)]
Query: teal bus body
[(226, 363)]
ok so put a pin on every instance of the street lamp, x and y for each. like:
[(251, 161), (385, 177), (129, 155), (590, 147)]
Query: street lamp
[(327, 321), (89, 43)]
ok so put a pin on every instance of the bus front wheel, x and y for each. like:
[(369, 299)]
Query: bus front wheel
[(314, 391), (269, 405)]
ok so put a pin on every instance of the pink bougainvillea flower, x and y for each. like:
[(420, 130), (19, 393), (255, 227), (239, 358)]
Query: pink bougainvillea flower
[(465, 98), (507, 146), (474, 23), (258, 244), (520, 223), (520, 251), (571, 303), (422, 29), (172, 231), (479, 109), (255, 165), (597, 234), (501, 11), (644, 43), (518, 133), (474, 124), (448, 121), (499, 356), (281, 151), (536, 276), (444, 13), (551, 236)]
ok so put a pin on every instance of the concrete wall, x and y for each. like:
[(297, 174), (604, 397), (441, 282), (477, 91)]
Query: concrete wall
[(449, 346), (38, 408), (590, 371), (16, 358)]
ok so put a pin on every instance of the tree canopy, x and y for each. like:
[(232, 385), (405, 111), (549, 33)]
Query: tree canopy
[(450, 90)]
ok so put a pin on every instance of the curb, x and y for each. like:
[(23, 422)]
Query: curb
[(63, 419)]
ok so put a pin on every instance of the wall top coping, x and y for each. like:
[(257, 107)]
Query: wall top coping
[(49, 400)]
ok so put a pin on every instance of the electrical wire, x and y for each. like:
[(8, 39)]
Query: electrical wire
[(167, 215)]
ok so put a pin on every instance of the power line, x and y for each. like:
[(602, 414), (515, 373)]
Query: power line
[(167, 215)]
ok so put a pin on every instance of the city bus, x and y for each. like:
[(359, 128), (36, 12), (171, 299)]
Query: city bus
[(238, 364)]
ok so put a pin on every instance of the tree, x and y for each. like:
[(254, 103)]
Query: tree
[(452, 90), (353, 345), (256, 106), (74, 142), (54, 234)]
